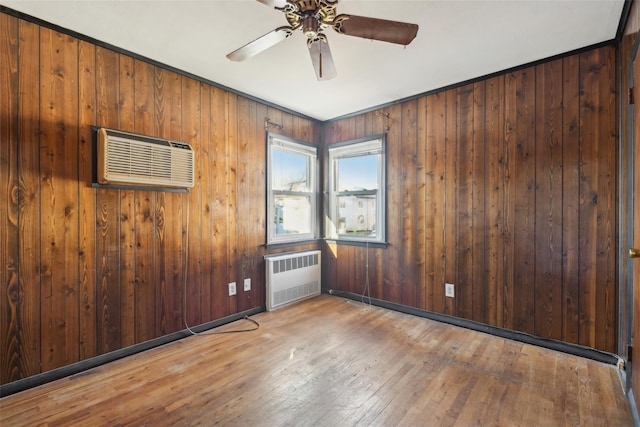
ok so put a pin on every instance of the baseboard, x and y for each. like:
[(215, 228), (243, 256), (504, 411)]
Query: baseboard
[(574, 349), (634, 408), (75, 368)]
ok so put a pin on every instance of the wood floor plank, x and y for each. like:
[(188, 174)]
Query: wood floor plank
[(327, 362)]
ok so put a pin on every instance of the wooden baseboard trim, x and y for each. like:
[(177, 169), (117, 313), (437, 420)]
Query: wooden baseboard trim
[(75, 368), (634, 408), (574, 349)]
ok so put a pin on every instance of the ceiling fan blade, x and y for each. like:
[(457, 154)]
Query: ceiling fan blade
[(321, 58), (274, 3), (376, 29), (260, 44)]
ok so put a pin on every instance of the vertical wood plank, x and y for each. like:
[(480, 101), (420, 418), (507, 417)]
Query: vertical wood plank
[(287, 120), (424, 234), (87, 201), (30, 221), (588, 201), (206, 196), (548, 199), (437, 110), (126, 122), (232, 201), (520, 197), (360, 126), (108, 301), (498, 311), (243, 202), (162, 258), (392, 290), (464, 195), (178, 215), (607, 320), (509, 161), (220, 195), (479, 296), (59, 207), (451, 201), (11, 287), (194, 282), (409, 197), (343, 267), (145, 218), (571, 200)]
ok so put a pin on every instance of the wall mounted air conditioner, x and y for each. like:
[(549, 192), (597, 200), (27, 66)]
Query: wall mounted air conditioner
[(129, 159)]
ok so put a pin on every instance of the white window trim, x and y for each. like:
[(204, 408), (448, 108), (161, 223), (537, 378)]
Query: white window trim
[(359, 147), (298, 147)]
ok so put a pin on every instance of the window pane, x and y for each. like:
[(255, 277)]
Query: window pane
[(292, 215), (289, 171), (358, 173), (357, 215)]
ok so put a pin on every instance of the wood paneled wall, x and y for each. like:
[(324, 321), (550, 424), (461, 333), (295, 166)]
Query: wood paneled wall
[(506, 188), (86, 271), (629, 291)]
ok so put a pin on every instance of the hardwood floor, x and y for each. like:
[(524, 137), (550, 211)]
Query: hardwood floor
[(334, 362)]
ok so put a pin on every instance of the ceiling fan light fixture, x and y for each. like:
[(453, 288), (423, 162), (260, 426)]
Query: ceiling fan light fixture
[(310, 27)]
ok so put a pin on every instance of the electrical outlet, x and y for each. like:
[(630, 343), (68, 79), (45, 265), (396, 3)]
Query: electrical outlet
[(449, 290), (232, 288), (247, 284)]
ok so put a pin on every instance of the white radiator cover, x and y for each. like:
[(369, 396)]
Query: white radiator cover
[(292, 277)]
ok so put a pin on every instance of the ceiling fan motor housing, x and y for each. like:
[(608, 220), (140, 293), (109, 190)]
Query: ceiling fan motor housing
[(310, 27)]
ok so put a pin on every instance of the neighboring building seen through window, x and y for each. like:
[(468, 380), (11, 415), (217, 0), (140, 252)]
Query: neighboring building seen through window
[(356, 173), (291, 187)]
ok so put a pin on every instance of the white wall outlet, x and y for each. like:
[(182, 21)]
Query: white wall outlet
[(232, 288), (247, 284), (449, 290)]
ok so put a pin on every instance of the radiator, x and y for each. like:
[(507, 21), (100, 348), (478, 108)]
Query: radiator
[(292, 277)]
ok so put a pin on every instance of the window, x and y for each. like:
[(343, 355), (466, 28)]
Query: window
[(291, 187), (356, 209)]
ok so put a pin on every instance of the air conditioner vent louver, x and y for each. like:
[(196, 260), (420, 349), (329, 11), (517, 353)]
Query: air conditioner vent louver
[(131, 159)]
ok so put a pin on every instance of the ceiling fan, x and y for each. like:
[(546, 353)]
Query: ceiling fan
[(314, 16)]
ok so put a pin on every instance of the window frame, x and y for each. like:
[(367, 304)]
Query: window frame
[(291, 145), (375, 144)]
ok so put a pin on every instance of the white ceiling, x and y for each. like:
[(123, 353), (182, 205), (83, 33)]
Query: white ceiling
[(457, 41)]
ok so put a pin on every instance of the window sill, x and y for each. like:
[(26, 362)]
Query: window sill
[(290, 244), (363, 243)]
